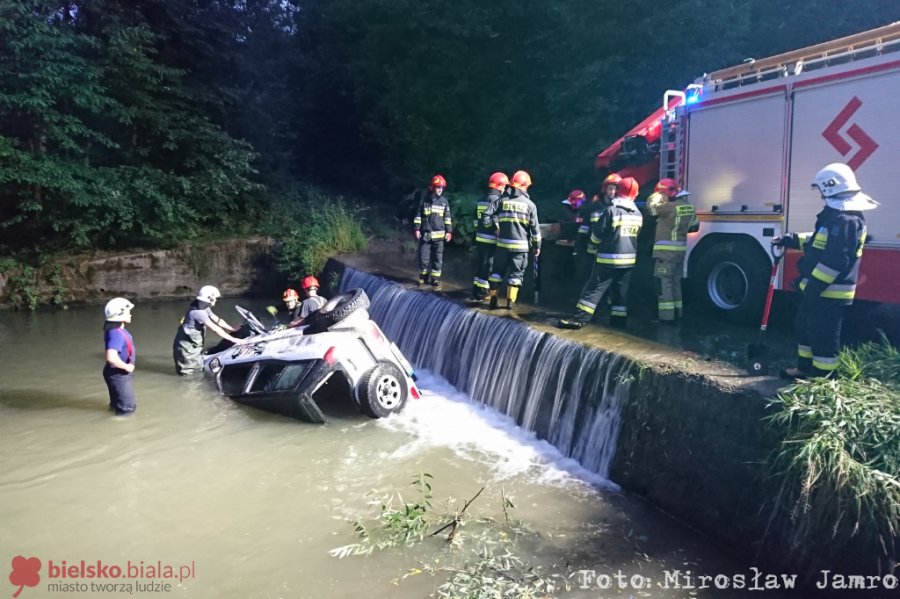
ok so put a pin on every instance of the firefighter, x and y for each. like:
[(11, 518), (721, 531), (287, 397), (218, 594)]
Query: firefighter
[(675, 217), (486, 236), (188, 344), (571, 214), (615, 234), (118, 371), (585, 252), (432, 227), (829, 269), (312, 303), (515, 219), (291, 300)]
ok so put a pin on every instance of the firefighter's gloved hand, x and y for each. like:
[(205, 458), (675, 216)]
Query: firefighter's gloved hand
[(417, 234)]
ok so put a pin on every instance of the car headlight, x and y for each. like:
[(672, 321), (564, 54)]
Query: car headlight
[(215, 366)]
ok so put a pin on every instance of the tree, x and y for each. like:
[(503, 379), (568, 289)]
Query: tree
[(101, 141)]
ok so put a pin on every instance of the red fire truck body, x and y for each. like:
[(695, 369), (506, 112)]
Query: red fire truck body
[(747, 141)]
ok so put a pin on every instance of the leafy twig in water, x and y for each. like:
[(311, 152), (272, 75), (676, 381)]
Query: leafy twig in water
[(455, 522)]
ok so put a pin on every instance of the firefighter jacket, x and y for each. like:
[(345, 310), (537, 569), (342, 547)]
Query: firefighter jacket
[(433, 218), (829, 267), (486, 232), (516, 219), (674, 219), (588, 214), (615, 234)]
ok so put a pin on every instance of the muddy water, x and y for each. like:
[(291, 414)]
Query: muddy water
[(248, 504)]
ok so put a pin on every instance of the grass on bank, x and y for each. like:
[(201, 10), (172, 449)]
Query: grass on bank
[(320, 227), (839, 463)]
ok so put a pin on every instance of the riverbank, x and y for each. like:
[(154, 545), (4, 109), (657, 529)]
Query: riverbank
[(236, 267)]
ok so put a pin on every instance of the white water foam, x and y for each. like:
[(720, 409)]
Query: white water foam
[(447, 417)]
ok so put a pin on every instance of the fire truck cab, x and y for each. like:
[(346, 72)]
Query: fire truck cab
[(746, 141)]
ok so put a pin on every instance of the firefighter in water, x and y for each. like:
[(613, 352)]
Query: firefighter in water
[(675, 218), (187, 347), (312, 303), (829, 269), (432, 226), (586, 252), (486, 236), (615, 233), (291, 301), (515, 219)]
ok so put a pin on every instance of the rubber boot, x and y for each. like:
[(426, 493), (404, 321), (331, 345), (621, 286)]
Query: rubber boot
[(493, 304), (512, 294)]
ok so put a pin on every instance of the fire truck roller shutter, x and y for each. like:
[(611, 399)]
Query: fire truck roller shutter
[(728, 276)]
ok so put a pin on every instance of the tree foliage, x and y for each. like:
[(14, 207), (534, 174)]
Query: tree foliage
[(125, 123), (408, 88), (102, 142)]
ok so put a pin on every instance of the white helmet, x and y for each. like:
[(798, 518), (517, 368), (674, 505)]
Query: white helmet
[(208, 294), (836, 178), (118, 309)]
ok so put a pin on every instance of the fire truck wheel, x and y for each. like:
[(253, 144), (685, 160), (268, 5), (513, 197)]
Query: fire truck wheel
[(731, 279)]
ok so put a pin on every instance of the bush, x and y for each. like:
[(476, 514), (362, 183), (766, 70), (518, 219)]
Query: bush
[(462, 206), (322, 227), (839, 462), (21, 284)]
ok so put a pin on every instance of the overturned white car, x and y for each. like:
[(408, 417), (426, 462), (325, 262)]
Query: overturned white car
[(341, 354)]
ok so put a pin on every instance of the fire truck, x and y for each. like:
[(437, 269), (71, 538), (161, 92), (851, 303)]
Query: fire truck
[(747, 140)]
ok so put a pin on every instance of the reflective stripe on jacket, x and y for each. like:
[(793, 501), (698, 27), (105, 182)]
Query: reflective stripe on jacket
[(516, 218), (434, 217), (831, 255), (615, 233), (673, 220), (486, 232)]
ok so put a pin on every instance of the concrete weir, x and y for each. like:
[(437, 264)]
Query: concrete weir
[(687, 434)]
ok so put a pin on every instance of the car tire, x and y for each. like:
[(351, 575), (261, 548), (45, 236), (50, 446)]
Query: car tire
[(730, 279), (382, 390), (337, 309)]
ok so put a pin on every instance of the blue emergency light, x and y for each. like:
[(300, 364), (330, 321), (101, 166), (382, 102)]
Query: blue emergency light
[(692, 94)]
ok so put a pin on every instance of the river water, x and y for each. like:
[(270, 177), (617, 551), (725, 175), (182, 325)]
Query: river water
[(249, 504)]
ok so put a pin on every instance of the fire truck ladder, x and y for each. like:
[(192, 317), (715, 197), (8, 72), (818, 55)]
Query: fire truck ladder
[(671, 137), (846, 49)]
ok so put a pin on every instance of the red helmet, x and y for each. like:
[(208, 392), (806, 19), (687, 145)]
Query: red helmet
[(575, 199), (438, 181), (670, 187), (521, 180), (498, 181), (290, 294), (611, 179), (627, 188), (310, 282)]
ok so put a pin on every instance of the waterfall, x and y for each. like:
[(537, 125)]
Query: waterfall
[(568, 394)]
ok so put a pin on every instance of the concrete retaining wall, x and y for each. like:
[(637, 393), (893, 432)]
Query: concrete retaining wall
[(699, 450), (236, 267)]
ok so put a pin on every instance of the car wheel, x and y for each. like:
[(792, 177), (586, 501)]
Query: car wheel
[(382, 390), (337, 309), (731, 279)]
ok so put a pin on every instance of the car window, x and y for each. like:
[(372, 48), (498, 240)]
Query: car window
[(279, 376), (291, 375)]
